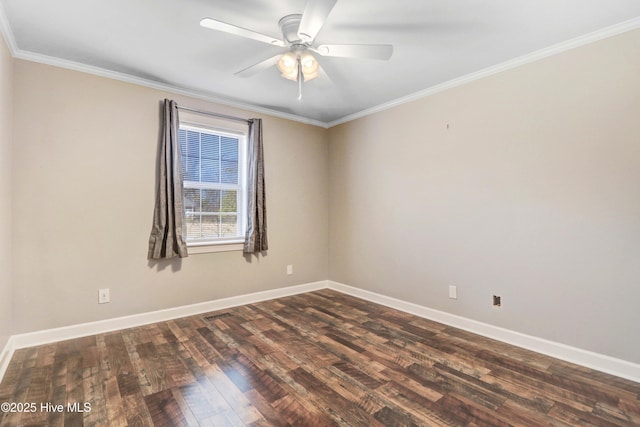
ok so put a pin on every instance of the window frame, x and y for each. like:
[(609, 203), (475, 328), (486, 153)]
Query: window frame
[(221, 244)]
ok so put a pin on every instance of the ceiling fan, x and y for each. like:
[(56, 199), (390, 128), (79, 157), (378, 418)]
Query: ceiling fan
[(299, 31)]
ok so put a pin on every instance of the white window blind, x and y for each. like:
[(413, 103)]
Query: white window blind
[(213, 165)]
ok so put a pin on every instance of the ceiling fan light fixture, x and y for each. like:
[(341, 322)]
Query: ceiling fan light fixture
[(309, 65), (291, 75), (288, 66), (307, 60), (287, 62)]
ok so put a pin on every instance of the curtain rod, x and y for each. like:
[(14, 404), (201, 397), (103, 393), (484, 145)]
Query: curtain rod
[(209, 113)]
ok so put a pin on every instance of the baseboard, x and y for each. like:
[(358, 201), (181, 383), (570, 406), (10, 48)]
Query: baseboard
[(5, 356), (600, 362), (85, 329)]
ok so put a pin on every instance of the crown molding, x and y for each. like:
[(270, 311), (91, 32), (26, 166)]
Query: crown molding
[(593, 37), (127, 78)]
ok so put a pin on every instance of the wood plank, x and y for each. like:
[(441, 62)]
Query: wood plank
[(154, 373), (136, 412), (92, 382), (414, 401), (113, 403), (323, 393), (164, 410), (234, 396)]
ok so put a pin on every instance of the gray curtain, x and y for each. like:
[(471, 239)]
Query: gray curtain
[(256, 237), (167, 240)]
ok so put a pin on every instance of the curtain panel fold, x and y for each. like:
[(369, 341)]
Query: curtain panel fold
[(167, 239), (256, 236)]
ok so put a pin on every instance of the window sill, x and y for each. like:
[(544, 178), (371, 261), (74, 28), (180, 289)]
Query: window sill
[(195, 249)]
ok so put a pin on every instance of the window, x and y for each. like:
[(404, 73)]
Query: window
[(213, 172)]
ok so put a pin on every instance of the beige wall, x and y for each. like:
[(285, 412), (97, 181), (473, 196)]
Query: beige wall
[(6, 307), (84, 179), (532, 193)]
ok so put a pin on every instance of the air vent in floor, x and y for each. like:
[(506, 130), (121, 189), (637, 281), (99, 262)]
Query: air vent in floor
[(217, 316)]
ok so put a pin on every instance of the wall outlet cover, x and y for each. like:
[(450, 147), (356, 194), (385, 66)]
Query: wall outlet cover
[(453, 292), (104, 296)]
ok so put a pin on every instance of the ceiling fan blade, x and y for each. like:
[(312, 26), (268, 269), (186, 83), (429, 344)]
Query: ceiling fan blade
[(239, 31), (324, 76), (256, 68), (315, 13), (366, 51)]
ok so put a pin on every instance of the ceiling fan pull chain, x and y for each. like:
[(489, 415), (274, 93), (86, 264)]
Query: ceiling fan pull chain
[(299, 79)]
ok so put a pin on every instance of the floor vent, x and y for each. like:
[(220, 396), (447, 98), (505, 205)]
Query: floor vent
[(217, 316)]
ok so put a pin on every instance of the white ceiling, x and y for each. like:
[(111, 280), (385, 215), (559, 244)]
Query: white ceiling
[(435, 42)]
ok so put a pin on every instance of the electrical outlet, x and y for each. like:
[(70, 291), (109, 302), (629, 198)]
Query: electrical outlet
[(453, 292), (103, 296), (289, 270)]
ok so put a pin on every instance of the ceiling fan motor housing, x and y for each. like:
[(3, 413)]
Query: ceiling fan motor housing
[(289, 26)]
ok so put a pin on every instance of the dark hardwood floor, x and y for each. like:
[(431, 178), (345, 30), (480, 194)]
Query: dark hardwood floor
[(317, 359)]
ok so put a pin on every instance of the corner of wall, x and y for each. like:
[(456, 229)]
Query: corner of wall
[(6, 194)]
